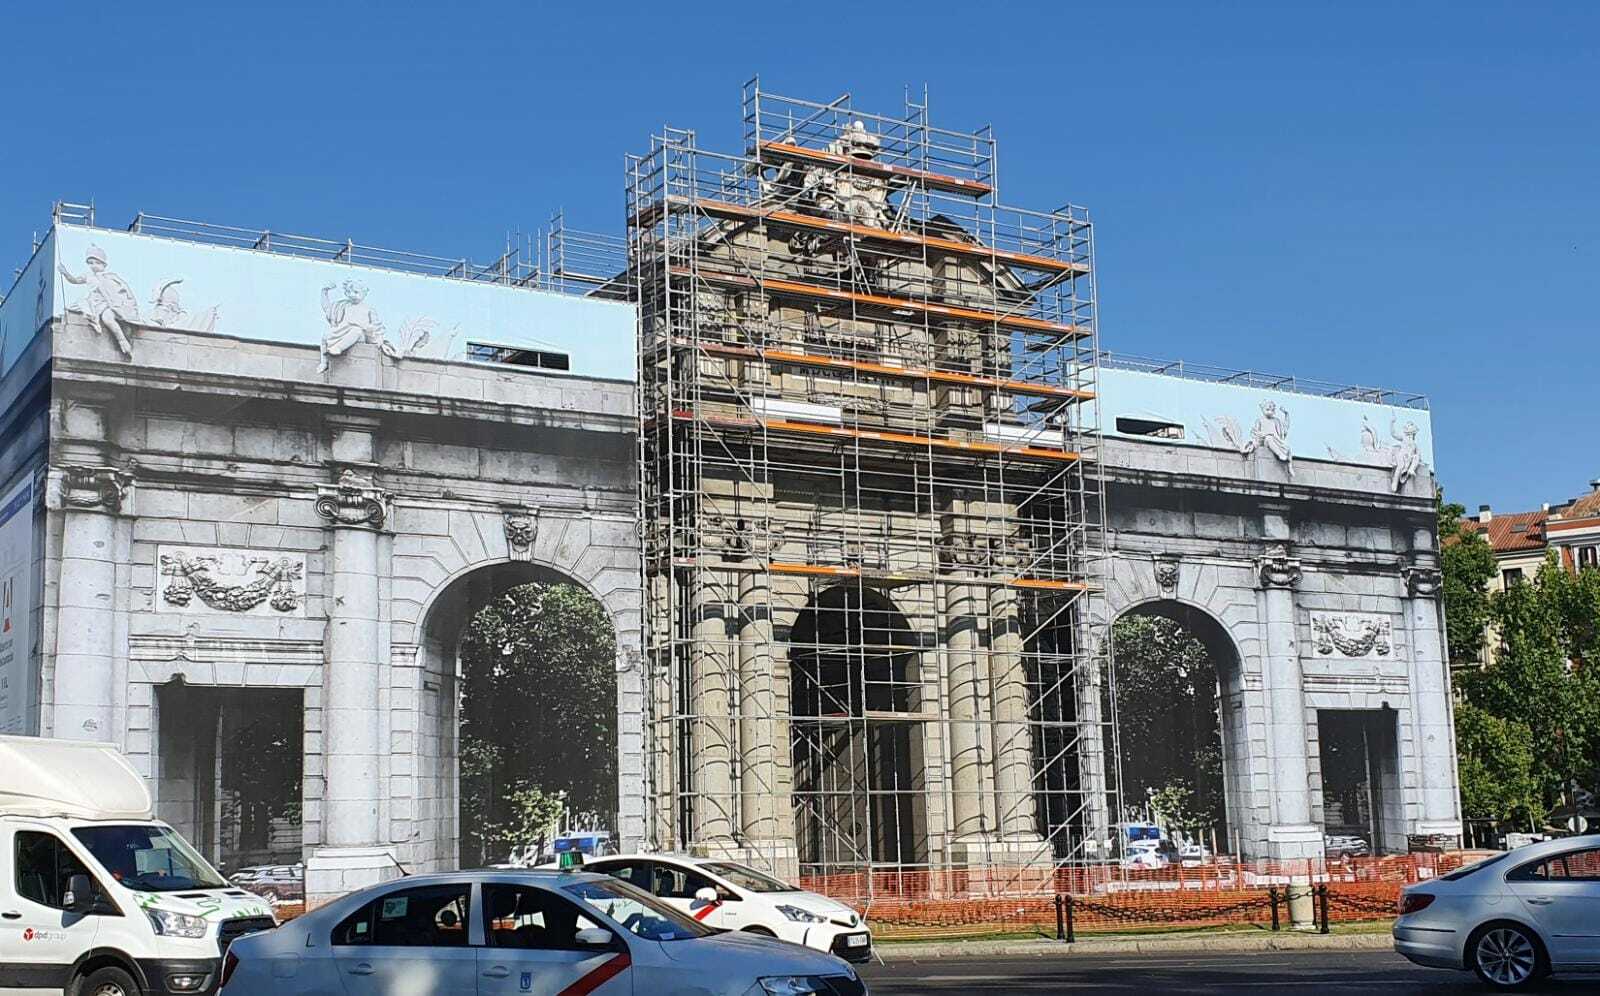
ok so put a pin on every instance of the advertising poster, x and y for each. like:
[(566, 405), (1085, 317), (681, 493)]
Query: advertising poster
[(16, 609)]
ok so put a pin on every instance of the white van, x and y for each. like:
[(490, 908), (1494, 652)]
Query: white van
[(97, 898)]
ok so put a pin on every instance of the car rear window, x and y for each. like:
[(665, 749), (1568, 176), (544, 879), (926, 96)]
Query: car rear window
[(1474, 868)]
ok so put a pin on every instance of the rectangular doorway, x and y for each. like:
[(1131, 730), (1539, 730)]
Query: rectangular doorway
[(229, 772), (1360, 782)]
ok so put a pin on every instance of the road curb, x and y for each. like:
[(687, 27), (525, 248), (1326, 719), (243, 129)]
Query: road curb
[(1186, 944)]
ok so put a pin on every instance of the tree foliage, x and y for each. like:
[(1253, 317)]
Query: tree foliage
[(1538, 681), (538, 717), (1167, 721), (1498, 769), (1467, 565)]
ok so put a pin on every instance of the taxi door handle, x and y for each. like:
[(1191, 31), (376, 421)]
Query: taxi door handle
[(362, 969), (497, 972), (9, 915), (1540, 900)]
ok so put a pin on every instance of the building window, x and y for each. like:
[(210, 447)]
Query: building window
[(1149, 427), (1511, 576), (542, 359), (1587, 557)]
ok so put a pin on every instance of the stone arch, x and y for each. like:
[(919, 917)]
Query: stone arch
[(1223, 650), (858, 772), (441, 580)]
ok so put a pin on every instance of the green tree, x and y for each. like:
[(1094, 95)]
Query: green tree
[(1543, 627), (1497, 768), (1167, 718), (538, 716), (1467, 566)]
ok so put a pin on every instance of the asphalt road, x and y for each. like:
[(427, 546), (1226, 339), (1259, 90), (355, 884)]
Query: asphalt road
[(1257, 973)]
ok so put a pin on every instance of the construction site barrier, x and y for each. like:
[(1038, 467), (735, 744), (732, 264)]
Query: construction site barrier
[(1066, 901)]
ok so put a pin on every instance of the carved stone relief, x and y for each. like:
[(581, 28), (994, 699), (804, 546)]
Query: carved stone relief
[(1166, 572), (1353, 635), (219, 579), (1422, 582), (522, 526)]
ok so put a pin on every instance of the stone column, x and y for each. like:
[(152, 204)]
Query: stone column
[(710, 718), (1292, 834), (972, 798), (1430, 691), (765, 816), (1013, 742), (87, 677), (353, 853)]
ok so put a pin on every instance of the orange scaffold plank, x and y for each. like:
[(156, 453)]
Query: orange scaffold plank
[(812, 291), (888, 370), (869, 167), (874, 435), (969, 250)]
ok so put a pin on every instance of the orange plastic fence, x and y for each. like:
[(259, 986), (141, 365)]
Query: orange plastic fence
[(1108, 898)]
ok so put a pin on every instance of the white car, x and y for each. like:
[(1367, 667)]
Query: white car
[(733, 896), (1513, 918), (544, 933)]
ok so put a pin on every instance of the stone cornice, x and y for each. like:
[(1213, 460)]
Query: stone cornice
[(355, 400)]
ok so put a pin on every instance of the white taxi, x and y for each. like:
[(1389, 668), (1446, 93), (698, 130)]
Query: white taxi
[(733, 896)]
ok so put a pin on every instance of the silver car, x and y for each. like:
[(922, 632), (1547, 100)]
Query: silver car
[(1514, 918), (523, 932)]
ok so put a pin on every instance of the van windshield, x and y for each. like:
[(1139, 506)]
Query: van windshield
[(148, 858)]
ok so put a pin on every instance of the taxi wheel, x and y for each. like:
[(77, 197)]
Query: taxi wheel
[(764, 932), (107, 982)]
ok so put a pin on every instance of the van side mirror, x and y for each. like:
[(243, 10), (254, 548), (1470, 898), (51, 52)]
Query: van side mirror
[(706, 895), (79, 897)]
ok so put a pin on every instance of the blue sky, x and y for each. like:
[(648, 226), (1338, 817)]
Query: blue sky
[(1396, 194)]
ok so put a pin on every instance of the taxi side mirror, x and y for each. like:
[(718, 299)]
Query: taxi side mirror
[(593, 937), (706, 895), (79, 897)]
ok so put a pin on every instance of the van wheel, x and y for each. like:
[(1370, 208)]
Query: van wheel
[(107, 982), (1506, 956)]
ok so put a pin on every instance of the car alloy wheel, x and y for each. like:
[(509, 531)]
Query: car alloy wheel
[(1506, 957)]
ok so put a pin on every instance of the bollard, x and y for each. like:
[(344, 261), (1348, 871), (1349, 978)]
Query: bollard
[(1323, 898), (1272, 897), (1061, 928), (1299, 898), (1072, 935)]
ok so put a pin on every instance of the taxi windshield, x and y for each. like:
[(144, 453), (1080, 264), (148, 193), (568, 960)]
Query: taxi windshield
[(148, 858), (637, 911), (747, 878)]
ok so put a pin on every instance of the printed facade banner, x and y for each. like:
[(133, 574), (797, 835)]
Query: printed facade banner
[(18, 673)]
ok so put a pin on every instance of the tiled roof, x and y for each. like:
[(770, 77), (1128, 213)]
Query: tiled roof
[(1512, 532), (1583, 508)]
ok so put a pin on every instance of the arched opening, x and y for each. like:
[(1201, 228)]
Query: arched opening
[(530, 727), (856, 733), (1177, 682)]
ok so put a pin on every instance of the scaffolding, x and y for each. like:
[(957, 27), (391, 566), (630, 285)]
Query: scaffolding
[(873, 529)]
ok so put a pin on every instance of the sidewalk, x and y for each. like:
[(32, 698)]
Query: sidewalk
[(1212, 942)]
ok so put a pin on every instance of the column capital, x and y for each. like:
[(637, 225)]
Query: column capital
[(101, 489), (1277, 569), (1422, 580), (354, 501)]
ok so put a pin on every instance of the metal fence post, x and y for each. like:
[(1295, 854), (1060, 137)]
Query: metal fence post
[(1272, 897)]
